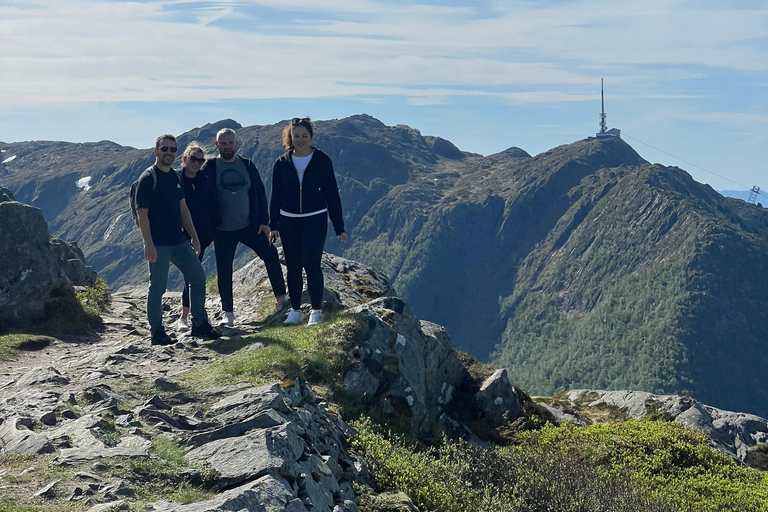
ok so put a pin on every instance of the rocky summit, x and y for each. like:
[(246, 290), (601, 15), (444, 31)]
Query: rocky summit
[(584, 266), (106, 421)]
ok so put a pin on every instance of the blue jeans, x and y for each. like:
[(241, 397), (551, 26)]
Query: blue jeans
[(185, 259)]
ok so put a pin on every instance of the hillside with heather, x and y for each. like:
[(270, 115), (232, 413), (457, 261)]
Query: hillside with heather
[(584, 266)]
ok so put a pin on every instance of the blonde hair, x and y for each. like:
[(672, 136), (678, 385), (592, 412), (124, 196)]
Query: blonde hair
[(192, 148)]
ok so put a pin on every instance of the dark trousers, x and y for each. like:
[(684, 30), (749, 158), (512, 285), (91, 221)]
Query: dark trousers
[(303, 241), (185, 291), (226, 242)]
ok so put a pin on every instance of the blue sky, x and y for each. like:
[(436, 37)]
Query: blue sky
[(686, 81)]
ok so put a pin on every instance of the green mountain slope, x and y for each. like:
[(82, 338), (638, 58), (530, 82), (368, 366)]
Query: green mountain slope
[(584, 266)]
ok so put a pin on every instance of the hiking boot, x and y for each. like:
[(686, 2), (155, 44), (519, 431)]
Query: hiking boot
[(315, 317), (228, 320), (205, 330), (159, 337), (182, 324), (293, 318)]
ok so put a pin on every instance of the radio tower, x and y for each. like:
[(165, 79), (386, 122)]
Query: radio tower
[(603, 125), (604, 131)]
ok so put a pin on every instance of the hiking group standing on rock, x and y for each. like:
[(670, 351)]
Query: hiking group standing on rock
[(223, 201)]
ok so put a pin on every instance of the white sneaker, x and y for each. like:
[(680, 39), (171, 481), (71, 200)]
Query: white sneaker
[(228, 320), (182, 324), (293, 318), (315, 317)]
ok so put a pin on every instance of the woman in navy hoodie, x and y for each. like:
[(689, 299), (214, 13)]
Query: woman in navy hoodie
[(198, 193), (304, 195)]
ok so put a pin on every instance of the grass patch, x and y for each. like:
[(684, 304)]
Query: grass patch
[(317, 354), (7, 505), (212, 285), (66, 312), (166, 475)]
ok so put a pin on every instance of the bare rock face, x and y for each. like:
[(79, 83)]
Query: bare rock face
[(731, 433), (34, 265)]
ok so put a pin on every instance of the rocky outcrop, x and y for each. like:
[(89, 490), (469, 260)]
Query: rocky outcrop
[(275, 447), (731, 433), (34, 265)]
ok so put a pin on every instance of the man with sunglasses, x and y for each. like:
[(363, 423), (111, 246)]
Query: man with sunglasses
[(162, 212), (243, 217)]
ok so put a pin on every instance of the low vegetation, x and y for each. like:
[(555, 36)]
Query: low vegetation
[(623, 466)]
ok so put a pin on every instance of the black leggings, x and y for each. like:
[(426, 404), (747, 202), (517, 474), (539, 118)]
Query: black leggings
[(226, 244), (303, 241), (185, 291)]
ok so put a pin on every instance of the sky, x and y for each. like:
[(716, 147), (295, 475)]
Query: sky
[(685, 81)]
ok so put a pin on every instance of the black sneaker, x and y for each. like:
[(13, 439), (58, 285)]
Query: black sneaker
[(159, 337), (205, 330)]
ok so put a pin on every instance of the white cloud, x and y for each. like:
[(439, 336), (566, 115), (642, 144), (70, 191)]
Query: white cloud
[(200, 51)]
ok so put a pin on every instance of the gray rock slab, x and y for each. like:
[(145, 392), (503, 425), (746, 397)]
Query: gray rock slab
[(131, 446), (14, 438), (250, 456), (79, 433), (38, 376), (109, 507), (248, 403), (267, 494), (267, 419)]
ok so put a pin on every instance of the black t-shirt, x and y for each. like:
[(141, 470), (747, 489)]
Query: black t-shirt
[(163, 204), (199, 195)]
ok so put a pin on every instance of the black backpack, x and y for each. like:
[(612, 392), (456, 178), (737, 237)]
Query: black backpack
[(135, 188)]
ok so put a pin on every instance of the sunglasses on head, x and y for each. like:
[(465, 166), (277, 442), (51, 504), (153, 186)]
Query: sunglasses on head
[(196, 159), (298, 120), (165, 149)]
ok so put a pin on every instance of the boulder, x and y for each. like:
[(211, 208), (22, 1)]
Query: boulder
[(34, 267), (497, 398)]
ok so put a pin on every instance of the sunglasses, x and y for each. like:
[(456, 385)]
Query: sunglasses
[(165, 149), (196, 160), (297, 121)]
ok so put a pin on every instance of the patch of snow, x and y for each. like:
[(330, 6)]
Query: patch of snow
[(25, 273), (400, 340), (410, 400), (83, 183), (112, 226), (9, 159), (498, 400)]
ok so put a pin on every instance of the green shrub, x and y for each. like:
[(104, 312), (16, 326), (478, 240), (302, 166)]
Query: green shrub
[(457, 476), (95, 299)]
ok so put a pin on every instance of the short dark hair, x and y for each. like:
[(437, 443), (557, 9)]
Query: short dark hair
[(166, 136), (297, 121)]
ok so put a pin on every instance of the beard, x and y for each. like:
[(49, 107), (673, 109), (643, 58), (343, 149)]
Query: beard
[(227, 153)]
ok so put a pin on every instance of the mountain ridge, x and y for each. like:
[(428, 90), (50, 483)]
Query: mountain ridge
[(582, 265)]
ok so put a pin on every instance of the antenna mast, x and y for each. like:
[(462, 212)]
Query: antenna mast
[(603, 125)]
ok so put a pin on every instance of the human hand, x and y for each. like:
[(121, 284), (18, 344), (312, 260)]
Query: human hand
[(150, 253)]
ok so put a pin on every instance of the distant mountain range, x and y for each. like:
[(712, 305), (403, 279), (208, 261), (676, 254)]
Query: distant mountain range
[(584, 266)]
